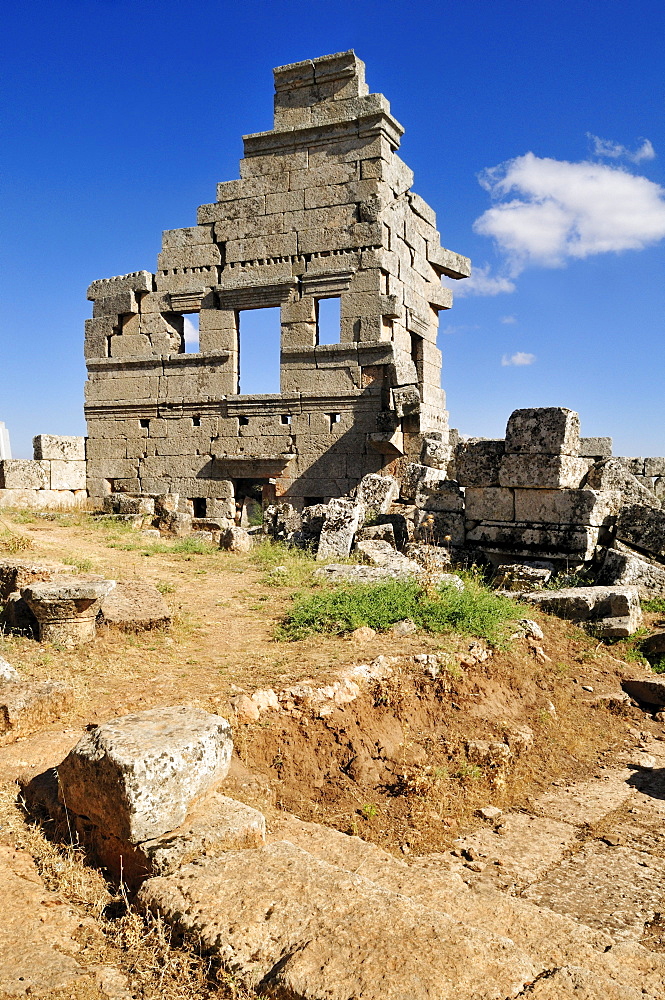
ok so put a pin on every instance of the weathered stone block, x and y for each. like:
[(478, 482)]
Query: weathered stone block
[(134, 607), (628, 569), (654, 466), (524, 539), (618, 606), (539, 471), (27, 704), (566, 506), (377, 492), (343, 518), (612, 475), (643, 528), (66, 608), (444, 495), (596, 447), (66, 475), (440, 528), (521, 576), (415, 477), (546, 430), (59, 447), (136, 776), (489, 503), (477, 462), (19, 474)]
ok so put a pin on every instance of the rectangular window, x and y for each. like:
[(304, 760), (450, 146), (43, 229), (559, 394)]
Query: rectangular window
[(144, 423), (259, 337), (328, 321), (333, 418), (191, 333)]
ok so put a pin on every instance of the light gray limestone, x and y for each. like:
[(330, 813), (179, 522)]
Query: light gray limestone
[(66, 608), (59, 447), (615, 611), (643, 528), (542, 471), (135, 777), (342, 520), (551, 430), (629, 569), (477, 462), (564, 506), (20, 474)]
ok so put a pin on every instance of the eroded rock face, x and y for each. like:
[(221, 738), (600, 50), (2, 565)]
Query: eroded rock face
[(136, 776)]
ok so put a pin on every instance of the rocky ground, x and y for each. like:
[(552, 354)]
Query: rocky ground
[(399, 831)]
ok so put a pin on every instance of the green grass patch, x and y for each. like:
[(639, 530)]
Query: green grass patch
[(656, 606), (283, 566), (474, 611)]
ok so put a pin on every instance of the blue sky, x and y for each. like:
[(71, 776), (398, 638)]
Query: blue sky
[(535, 130)]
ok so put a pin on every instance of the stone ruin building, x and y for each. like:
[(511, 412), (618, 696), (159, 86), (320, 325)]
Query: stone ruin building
[(323, 209)]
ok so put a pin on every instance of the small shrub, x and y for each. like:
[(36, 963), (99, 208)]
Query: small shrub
[(658, 664), (13, 543), (165, 588), (81, 563)]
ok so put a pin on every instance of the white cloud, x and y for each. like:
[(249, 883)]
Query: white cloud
[(191, 332), (519, 358), (508, 320), (451, 329), (615, 151), (482, 282), (550, 211)]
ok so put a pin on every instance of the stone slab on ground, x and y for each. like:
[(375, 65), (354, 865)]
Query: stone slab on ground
[(280, 919), (526, 847), (134, 607), (37, 932), (613, 611), (32, 754), (648, 690), (630, 569), (25, 704), (383, 554), (586, 802), (613, 888), (362, 574), (135, 777)]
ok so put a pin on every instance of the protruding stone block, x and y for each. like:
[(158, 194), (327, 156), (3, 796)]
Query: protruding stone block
[(59, 447), (136, 776), (66, 610), (545, 430), (540, 471), (521, 576), (596, 447), (615, 610)]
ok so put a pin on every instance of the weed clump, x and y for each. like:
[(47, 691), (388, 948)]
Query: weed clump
[(474, 611)]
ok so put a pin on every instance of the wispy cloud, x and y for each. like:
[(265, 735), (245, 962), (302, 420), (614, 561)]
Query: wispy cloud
[(508, 320), (549, 211), (615, 151), (451, 329), (519, 358)]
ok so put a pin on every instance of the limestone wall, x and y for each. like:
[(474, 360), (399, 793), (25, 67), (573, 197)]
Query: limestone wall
[(323, 208), (56, 477)]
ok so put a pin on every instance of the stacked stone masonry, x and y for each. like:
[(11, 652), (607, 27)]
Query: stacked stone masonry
[(323, 209), (56, 477)]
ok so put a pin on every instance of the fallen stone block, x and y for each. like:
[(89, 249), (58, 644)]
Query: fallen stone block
[(543, 430), (611, 474), (643, 528), (235, 540), (629, 569), (25, 704), (521, 576), (135, 777), (651, 692), (437, 455), (429, 557), (614, 611), (344, 572), (383, 554), (282, 920), (7, 672), (134, 607), (376, 533), (66, 610), (416, 477), (15, 574), (377, 492), (178, 524), (654, 644), (343, 518)]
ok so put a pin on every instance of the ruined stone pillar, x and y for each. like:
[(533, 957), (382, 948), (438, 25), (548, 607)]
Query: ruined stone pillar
[(66, 610)]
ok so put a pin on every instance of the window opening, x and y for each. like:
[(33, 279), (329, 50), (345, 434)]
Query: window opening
[(243, 421), (286, 418), (199, 504), (191, 333), (144, 423), (196, 420), (313, 501), (328, 321), (259, 336), (333, 418)]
